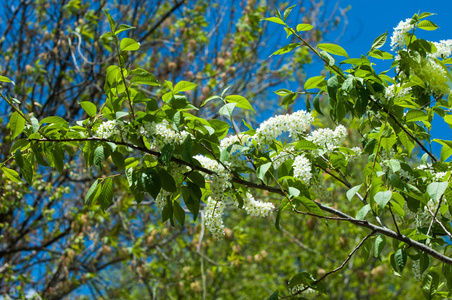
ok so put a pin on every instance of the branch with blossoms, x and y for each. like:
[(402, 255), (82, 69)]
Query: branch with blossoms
[(185, 162)]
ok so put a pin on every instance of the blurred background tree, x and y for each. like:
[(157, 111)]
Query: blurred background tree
[(53, 245)]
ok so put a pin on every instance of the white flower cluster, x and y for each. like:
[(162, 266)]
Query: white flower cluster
[(393, 91), (282, 156), (219, 181), (328, 139), (398, 36), (160, 134), (215, 203), (256, 208), (352, 157), (436, 176), (302, 168), (433, 73), (443, 49), (241, 139), (213, 217), (295, 124), (116, 128)]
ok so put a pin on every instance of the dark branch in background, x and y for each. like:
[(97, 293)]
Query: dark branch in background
[(338, 268), (162, 19)]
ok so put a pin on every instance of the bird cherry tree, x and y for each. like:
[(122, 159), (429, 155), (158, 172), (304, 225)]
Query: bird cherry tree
[(189, 164)]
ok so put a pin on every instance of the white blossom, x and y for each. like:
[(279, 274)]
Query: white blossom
[(328, 139), (213, 217), (295, 124), (302, 168), (115, 128), (160, 134), (282, 156), (398, 36), (256, 208), (443, 49), (219, 181), (393, 91)]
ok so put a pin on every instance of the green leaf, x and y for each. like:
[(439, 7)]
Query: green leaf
[(311, 206), (107, 194), (379, 41), (286, 49), (179, 213), (118, 160), (303, 278), (305, 144), (226, 110), (436, 190), (430, 283), (240, 101), (128, 44), (183, 86), (142, 76), (167, 181), (167, 154), (91, 190), (333, 49), (89, 107), (425, 15), (110, 19), (53, 120), (427, 25), (25, 166), (352, 192), (151, 182), (275, 20), (329, 59), (394, 164), (382, 198), (363, 212), (278, 220), (11, 174), (313, 82), (274, 296), (416, 115), (287, 12), (400, 258), (406, 141), (380, 243), (304, 27), (316, 103), (210, 99), (167, 211), (123, 27), (99, 156), (17, 124), (191, 193), (20, 144), (34, 124), (5, 79), (262, 170)]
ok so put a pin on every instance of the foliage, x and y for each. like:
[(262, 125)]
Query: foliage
[(155, 145), (53, 51)]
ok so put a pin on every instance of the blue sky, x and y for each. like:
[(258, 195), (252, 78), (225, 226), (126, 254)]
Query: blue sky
[(369, 19)]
